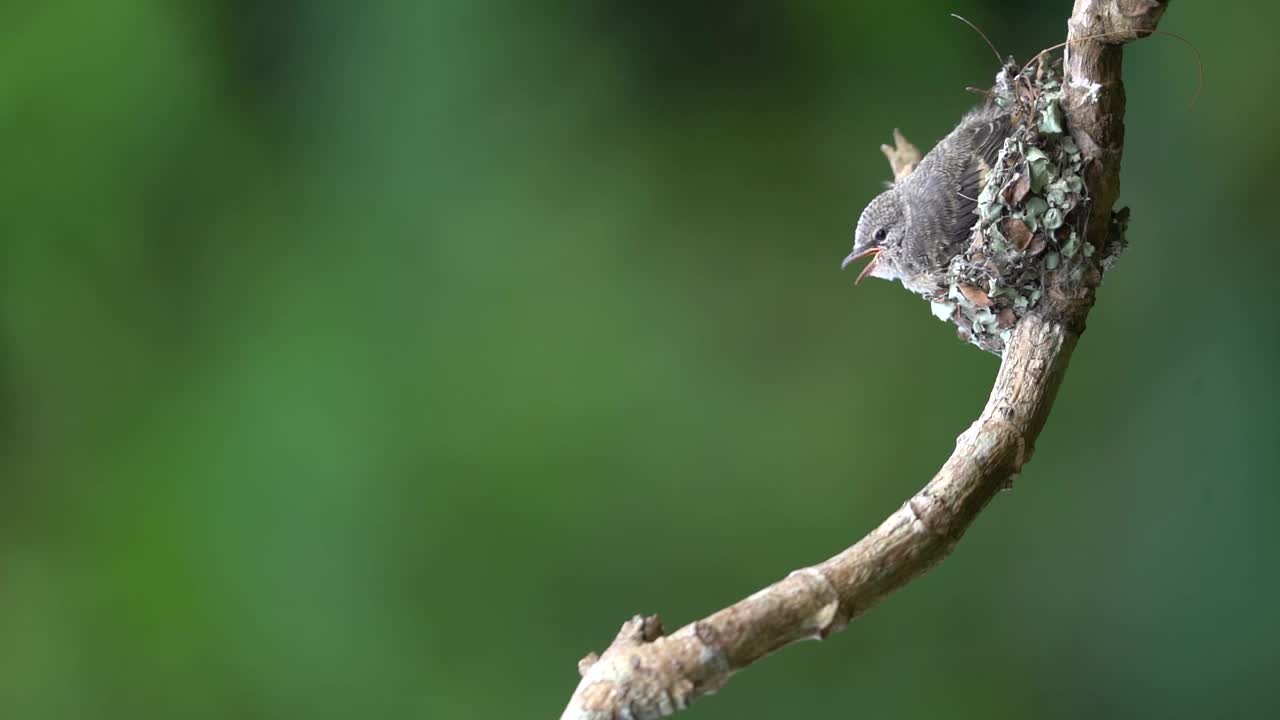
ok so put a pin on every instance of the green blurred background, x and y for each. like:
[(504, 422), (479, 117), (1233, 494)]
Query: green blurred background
[(379, 359)]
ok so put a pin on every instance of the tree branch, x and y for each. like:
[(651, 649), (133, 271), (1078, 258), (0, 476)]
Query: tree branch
[(644, 674)]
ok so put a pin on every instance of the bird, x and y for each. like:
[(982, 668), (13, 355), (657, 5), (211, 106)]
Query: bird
[(912, 230)]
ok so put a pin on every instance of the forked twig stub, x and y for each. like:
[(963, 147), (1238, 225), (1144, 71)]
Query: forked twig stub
[(903, 156), (645, 674)]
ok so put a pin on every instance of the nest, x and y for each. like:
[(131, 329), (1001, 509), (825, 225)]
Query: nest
[(1032, 211)]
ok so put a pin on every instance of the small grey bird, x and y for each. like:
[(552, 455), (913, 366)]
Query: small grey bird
[(913, 229)]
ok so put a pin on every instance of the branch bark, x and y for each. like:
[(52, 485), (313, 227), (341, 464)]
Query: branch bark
[(645, 674)]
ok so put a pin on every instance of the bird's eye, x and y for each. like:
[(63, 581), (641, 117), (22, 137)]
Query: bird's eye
[(881, 234)]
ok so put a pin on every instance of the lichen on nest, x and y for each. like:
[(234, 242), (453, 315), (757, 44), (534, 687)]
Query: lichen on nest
[(1032, 216)]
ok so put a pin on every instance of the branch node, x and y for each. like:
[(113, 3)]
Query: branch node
[(918, 516), (827, 618)]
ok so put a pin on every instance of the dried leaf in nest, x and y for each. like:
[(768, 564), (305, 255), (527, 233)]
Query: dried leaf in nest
[(1037, 244), (1017, 232), (1008, 318), (976, 295), (979, 241), (1017, 191)]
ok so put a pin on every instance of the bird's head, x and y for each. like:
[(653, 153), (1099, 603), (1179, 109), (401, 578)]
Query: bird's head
[(881, 226)]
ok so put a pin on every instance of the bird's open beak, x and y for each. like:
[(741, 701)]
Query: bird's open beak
[(856, 255)]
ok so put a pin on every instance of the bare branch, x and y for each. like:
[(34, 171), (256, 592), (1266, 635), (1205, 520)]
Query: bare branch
[(644, 674)]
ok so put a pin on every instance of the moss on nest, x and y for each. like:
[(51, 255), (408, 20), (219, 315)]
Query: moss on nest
[(1032, 214)]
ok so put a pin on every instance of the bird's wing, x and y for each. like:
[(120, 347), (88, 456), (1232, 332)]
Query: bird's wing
[(944, 190), (983, 138)]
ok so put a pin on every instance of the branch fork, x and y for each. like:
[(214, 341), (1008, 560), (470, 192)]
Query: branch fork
[(902, 155)]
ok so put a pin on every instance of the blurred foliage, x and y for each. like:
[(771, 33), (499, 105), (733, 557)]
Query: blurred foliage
[(379, 359)]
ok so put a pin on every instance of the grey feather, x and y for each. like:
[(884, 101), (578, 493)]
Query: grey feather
[(923, 221)]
